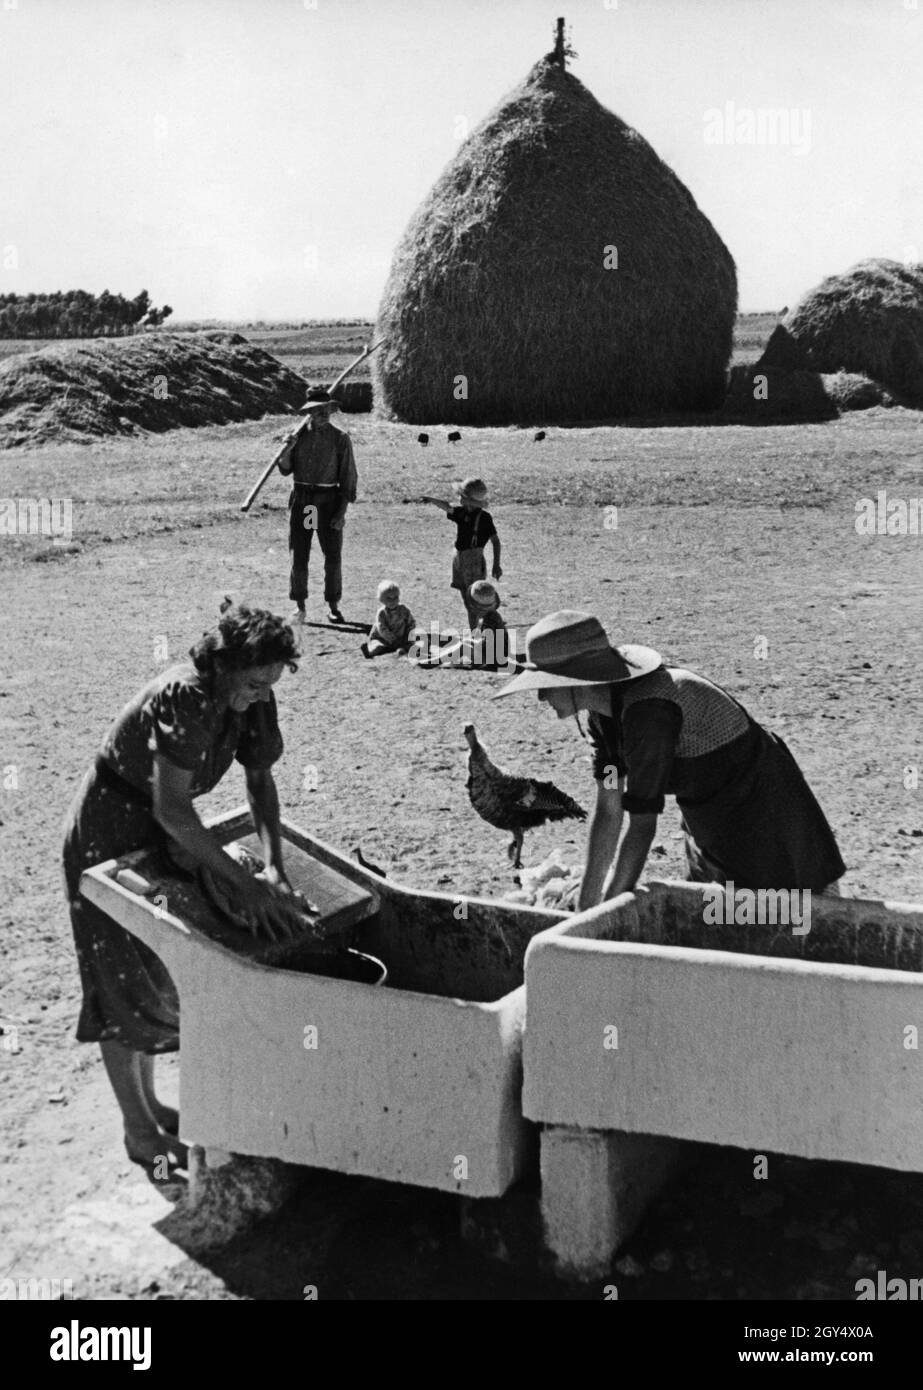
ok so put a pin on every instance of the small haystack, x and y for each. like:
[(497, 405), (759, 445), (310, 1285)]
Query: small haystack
[(156, 382), (783, 388), (558, 270), (853, 391), (779, 389), (867, 321)]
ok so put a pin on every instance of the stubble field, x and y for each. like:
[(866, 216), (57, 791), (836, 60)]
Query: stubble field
[(725, 536)]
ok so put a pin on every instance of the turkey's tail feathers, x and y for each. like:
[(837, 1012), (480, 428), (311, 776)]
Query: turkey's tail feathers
[(556, 804)]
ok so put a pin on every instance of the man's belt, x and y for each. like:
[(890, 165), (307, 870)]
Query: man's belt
[(316, 487)]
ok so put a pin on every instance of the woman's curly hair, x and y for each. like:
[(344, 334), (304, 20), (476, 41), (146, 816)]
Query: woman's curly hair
[(245, 637)]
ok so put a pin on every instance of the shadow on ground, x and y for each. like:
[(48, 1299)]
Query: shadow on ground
[(808, 1231)]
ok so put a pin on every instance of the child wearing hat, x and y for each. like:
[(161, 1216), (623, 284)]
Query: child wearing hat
[(474, 528), (484, 603), (478, 646), (393, 626)]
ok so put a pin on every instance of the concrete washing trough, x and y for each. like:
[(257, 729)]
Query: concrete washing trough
[(417, 1080), (649, 1030)]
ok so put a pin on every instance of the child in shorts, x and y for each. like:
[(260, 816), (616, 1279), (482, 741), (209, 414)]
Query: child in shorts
[(474, 528)]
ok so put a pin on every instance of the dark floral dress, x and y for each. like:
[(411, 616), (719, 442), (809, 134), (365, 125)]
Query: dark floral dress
[(127, 994)]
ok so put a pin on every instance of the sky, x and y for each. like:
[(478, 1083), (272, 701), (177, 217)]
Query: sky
[(259, 159)]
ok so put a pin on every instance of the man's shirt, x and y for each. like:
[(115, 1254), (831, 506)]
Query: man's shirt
[(323, 457)]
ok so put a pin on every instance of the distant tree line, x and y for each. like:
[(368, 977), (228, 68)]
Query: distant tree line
[(77, 314)]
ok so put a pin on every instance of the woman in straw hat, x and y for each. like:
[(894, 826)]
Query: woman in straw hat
[(749, 816)]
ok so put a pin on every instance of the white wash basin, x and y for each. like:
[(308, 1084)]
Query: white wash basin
[(417, 1080), (647, 1025)]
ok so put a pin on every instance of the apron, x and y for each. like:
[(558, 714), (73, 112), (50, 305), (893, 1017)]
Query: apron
[(764, 829)]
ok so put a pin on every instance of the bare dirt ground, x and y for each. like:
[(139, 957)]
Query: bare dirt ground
[(725, 536)]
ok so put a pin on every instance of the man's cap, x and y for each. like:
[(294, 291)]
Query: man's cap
[(317, 398)]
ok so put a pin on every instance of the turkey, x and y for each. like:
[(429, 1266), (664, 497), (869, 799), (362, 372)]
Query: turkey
[(513, 803)]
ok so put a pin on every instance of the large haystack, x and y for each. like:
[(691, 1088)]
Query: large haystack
[(501, 276), (157, 381), (868, 320)]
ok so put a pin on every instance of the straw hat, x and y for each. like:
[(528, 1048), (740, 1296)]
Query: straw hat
[(473, 490), (318, 399), (570, 648), (483, 594)]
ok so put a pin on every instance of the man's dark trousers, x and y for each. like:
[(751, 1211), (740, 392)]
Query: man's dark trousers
[(327, 503)]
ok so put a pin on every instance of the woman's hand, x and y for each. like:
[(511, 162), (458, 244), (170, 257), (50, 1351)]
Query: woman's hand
[(275, 877), (265, 910), (249, 905)]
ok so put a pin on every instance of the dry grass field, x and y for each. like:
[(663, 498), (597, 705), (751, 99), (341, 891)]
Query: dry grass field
[(725, 536), (320, 350)]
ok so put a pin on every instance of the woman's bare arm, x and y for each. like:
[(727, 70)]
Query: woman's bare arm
[(632, 855), (173, 810), (605, 824), (263, 797)]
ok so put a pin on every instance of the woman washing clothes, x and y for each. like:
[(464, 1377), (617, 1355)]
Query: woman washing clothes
[(172, 742), (749, 816)]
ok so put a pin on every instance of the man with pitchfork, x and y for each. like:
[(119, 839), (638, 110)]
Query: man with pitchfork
[(324, 481)]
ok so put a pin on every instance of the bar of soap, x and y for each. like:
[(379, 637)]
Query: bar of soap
[(127, 878)]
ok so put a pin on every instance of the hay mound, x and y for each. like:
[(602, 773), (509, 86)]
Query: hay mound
[(853, 391), (783, 387), (355, 397), (870, 321), (501, 276), (156, 382), (778, 389)]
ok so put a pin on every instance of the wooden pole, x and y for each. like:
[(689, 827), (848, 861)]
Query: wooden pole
[(252, 494), (559, 44)]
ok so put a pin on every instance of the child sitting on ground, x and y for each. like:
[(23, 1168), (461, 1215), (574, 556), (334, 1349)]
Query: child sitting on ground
[(392, 630), (489, 638), (483, 603), (486, 643)]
